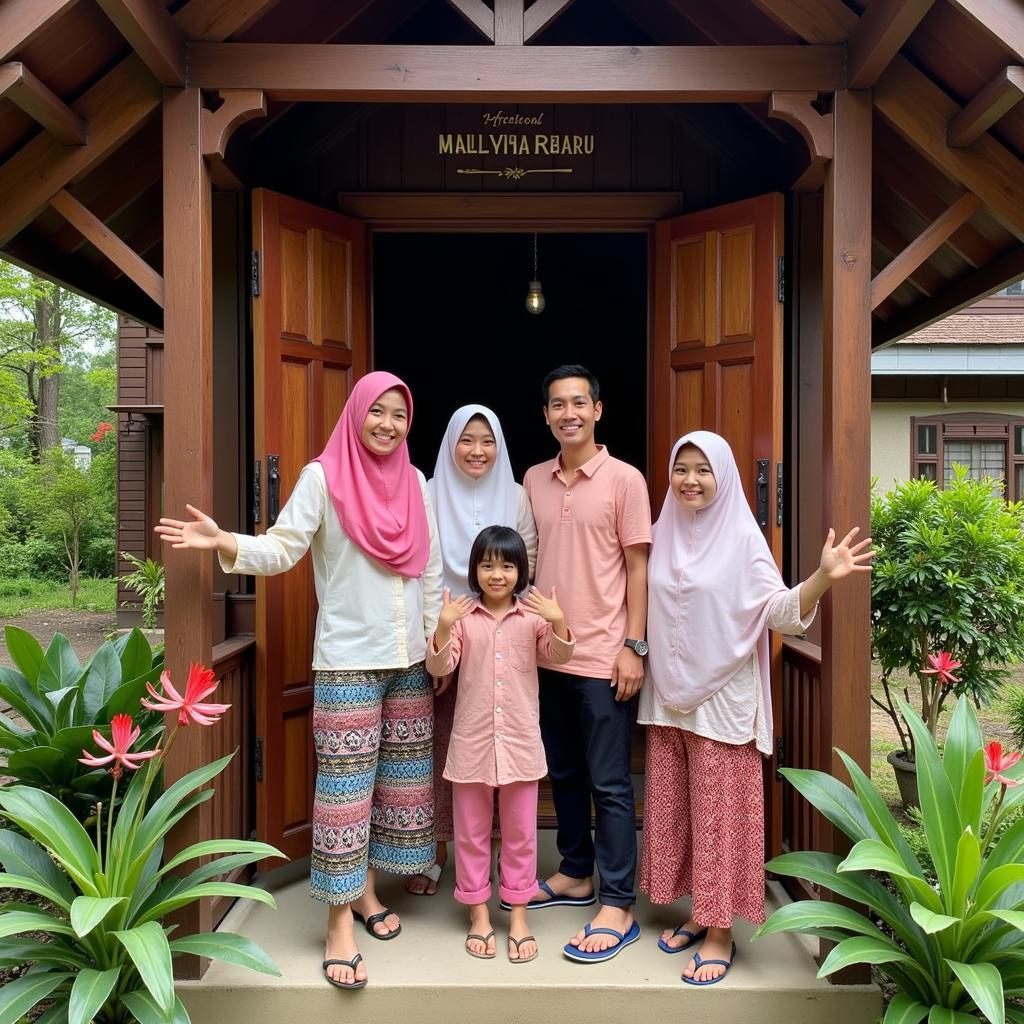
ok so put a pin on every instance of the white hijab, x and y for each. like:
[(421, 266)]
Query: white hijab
[(711, 576), (464, 506)]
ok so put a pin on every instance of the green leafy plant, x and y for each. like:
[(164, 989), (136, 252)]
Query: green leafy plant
[(62, 702), (148, 581), (948, 577), (1013, 705), (109, 955), (953, 949)]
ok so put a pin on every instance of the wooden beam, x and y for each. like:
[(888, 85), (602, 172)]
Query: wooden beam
[(1000, 95), (548, 74), (152, 34), (508, 22), (238, 106), (478, 14), (797, 110), (885, 26), (540, 14), (1001, 20), (24, 90), (22, 20), (124, 258)]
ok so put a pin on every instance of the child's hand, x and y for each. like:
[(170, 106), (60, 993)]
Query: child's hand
[(546, 607), (453, 611), (839, 560), (441, 683)]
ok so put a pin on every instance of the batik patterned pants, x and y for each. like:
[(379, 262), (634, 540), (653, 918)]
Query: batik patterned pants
[(374, 799)]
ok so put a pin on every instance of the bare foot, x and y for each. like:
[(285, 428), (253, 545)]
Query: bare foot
[(563, 885), (518, 930), (341, 945), (619, 919), (717, 946), (424, 885), (674, 941), (480, 924)]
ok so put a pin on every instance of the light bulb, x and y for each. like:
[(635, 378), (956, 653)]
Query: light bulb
[(535, 298)]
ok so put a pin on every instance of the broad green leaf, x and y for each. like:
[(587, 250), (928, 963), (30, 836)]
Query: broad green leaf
[(143, 850), (904, 1010), (964, 763), (1009, 849), (64, 714), (57, 1013), (88, 911), (101, 681), (25, 652), (874, 855), (15, 950), (147, 946), (994, 884), (1014, 917), (60, 668), (17, 922), (836, 801), (808, 915), (929, 921), (33, 708), (20, 856), (232, 889), (1015, 1014), (862, 949), (89, 993), (142, 1007), (75, 738), (228, 947), (22, 883), (965, 872), (125, 699), (212, 847), (18, 997), (984, 986), (136, 656), (943, 1015), (13, 736), (43, 764)]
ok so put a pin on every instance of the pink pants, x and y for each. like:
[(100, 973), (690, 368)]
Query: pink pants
[(472, 811)]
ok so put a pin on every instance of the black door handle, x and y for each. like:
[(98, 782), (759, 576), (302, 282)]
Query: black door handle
[(273, 489), (762, 492)]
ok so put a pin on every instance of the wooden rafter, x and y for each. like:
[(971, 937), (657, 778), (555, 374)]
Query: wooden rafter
[(152, 34), (117, 251), (935, 235), (540, 14), (578, 74), (24, 90), (22, 20), (884, 28), (508, 22), (477, 14), (1004, 92), (1002, 20)]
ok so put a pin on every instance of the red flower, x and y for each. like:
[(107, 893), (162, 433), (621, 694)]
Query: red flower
[(190, 708), (942, 666), (102, 429), (997, 762), (123, 736)]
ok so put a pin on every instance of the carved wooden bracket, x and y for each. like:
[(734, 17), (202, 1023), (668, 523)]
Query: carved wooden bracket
[(238, 106), (797, 110)]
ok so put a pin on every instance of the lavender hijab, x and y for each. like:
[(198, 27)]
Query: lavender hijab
[(711, 577)]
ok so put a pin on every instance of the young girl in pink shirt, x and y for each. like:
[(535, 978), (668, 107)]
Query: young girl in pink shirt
[(495, 741)]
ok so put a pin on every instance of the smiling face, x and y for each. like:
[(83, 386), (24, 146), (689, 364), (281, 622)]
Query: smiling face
[(386, 423), (498, 578), (571, 412), (476, 448), (693, 481)]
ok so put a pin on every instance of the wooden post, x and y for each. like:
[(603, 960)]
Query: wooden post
[(188, 432), (846, 444)]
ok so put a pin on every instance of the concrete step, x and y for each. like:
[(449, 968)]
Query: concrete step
[(424, 976)]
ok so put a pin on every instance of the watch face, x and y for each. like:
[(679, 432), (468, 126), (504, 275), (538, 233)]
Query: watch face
[(641, 647)]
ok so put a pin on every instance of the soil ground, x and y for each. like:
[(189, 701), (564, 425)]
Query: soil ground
[(85, 630)]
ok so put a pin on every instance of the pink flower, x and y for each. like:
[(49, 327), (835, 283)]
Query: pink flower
[(123, 736), (190, 708), (942, 666), (997, 762)]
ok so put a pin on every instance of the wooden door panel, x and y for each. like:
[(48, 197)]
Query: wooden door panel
[(310, 344)]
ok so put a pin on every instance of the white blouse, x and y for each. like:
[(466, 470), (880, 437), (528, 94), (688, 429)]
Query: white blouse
[(368, 617), (735, 714)]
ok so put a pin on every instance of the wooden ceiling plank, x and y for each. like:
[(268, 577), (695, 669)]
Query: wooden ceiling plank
[(23, 89), (152, 34), (581, 74), (816, 21), (214, 20), (478, 14), (885, 26), (133, 265), (540, 14), (1001, 19), (22, 20), (936, 234), (1004, 92)]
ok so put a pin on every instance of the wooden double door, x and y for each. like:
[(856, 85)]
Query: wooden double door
[(715, 362)]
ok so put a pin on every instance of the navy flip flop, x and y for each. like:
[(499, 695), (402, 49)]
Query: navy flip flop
[(698, 963), (554, 901), (375, 919), (353, 964), (597, 956), (691, 938)]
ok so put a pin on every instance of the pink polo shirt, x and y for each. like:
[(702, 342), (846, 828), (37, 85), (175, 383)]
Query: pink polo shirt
[(496, 734), (582, 525)]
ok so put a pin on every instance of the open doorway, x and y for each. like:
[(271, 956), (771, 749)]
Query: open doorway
[(449, 317)]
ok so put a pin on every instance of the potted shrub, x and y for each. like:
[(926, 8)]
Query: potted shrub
[(947, 598), (147, 579)]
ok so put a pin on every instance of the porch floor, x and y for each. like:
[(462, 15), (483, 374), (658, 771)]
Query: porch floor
[(425, 977)]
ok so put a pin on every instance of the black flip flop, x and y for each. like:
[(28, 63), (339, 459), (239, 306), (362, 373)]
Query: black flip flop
[(484, 939), (375, 919), (353, 964)]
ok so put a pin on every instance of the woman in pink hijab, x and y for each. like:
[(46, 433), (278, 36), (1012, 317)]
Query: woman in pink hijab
[(714, 592), (362, 510)]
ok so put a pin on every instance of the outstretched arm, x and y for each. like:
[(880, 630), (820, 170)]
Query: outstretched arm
[(837, 562), (199, 534)]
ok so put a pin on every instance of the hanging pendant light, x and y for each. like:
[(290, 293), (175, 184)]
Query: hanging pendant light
[(534, 296)]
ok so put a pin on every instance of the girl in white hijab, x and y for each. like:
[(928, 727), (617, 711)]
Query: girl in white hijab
[(472, 488), (714, 592)]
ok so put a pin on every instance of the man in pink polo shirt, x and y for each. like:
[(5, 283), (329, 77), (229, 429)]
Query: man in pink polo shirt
[(593, 517)]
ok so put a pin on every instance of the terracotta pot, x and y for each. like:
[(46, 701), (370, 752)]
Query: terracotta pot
[(906, 778)]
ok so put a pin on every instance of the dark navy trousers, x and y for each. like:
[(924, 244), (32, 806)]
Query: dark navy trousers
[(586, 735)]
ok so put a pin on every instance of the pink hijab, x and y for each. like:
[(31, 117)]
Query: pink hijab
[(377, 497), (711, 576)]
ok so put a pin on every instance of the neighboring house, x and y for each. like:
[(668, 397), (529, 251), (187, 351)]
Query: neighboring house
[(953, 393)]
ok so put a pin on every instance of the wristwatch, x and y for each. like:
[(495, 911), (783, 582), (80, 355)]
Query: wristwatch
[(641, 647)]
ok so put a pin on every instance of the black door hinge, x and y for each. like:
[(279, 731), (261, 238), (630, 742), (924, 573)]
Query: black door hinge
[(782, 279), (254, 273), (257, 492), (257, 757), (780, 756)]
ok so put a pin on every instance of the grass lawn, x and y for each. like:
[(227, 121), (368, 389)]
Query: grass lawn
[(22, 595)]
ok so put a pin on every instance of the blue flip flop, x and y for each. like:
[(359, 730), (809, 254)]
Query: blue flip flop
[(554, 900), (691, 937), (588, 957), (698, 963)]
